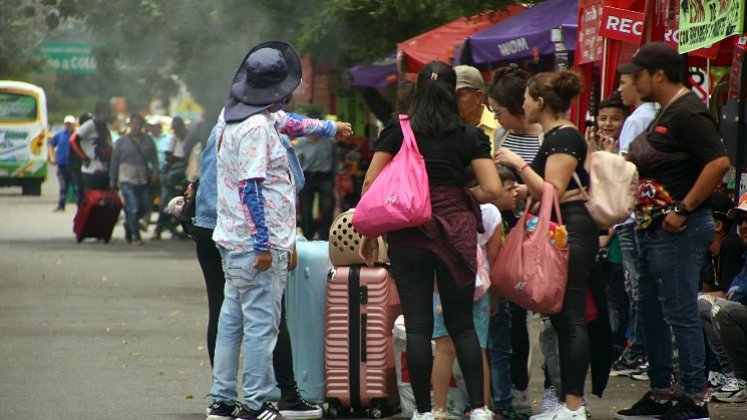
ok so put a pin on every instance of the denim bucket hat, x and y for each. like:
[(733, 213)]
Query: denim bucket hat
[(270, 72)]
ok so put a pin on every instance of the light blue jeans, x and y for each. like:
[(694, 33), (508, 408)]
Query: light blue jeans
[(250, 314), (669, 266)]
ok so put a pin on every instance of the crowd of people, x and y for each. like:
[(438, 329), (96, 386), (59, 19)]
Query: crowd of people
[(648, 279), (667, 287), (144, 162)]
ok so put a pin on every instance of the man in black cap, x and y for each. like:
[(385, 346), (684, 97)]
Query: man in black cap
[(681, 160)]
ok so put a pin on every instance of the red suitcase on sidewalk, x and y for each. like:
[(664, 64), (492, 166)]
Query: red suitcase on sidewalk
[(97, 215), (362, 304)]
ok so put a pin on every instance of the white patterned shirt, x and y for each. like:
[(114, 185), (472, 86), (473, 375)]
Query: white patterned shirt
[(252, 149)]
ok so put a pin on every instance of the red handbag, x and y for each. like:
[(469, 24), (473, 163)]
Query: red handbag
[(530, 270)]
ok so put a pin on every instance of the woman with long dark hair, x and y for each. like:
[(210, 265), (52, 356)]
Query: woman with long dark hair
[(444, 247), (563, 152)]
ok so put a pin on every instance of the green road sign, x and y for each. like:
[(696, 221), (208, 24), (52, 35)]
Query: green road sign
[(69, 57)]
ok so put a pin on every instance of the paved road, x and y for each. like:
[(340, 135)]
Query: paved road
[(110, 331)]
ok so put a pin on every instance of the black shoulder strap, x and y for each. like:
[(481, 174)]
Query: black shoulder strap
[(140, 152)]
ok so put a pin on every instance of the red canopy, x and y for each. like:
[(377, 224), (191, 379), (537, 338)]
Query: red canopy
[(440, 43)]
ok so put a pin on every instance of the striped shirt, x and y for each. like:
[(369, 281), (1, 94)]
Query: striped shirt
[(524, 145)]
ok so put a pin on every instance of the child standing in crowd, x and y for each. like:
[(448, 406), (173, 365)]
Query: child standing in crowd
[(563, 153), (609, 269), (444, 249), (500, 338)]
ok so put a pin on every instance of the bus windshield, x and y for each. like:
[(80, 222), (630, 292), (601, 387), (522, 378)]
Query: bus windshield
[(17, 107)]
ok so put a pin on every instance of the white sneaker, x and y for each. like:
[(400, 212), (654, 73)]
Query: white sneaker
[(440, 414), (550, 400), (422, 416), (717, 379), (562, 413), (520, 402), (481, 414), (733, 391)]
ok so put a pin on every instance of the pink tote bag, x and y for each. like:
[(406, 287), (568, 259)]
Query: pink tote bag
[(400, 196), (530, 270)]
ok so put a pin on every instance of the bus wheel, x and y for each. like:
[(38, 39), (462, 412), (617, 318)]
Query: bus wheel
[(31, 187)]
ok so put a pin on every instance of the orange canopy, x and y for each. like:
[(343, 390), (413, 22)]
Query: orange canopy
[(440, 43)]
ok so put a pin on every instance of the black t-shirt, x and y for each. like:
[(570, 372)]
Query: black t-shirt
[(719, 270), (445, 157), (563, 140), (686, 126)]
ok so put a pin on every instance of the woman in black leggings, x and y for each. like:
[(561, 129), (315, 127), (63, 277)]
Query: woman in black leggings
[(444, 247), (563, 153)]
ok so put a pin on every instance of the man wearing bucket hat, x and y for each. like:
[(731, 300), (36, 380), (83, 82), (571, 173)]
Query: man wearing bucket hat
[(255, 228), (680, 159)]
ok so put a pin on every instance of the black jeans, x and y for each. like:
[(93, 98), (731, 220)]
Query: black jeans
[(322, 183), (618, 304), (413, 270), (212, 269), (570, 323)]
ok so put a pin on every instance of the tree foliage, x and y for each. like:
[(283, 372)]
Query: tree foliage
[(145, 45)]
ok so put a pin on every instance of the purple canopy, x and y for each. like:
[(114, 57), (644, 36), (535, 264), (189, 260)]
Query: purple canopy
[(518, 36), (376, 75)]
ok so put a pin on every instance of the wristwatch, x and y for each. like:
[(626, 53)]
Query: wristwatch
[(680, 209)]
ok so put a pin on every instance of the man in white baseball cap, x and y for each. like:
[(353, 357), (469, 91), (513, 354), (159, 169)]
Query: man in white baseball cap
[(59, 154)]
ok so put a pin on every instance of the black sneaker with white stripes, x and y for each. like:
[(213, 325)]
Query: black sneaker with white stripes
[(294, 406), (267, 412), (223, 411)]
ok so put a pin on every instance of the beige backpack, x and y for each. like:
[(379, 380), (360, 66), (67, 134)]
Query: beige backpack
[(613, 182)]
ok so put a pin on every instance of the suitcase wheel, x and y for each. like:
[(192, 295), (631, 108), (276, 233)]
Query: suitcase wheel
[(334, 408), (375, 413), (107, 239), (79, 239)]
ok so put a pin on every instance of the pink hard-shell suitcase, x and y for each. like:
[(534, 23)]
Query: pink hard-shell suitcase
[(362, 304)]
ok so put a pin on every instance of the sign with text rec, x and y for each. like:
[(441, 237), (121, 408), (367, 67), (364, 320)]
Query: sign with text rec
[(622, 25)]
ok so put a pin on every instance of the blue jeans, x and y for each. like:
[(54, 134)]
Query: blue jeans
[(629, 248), (499, 356), (250, 314), (137, 205), (669, 267)]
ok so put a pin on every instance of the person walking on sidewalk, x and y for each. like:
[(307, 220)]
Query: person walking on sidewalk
[(681, 159), (134, 163), (59, 154)]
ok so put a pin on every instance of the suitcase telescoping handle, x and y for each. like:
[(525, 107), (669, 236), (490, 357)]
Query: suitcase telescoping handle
[(357, 322)]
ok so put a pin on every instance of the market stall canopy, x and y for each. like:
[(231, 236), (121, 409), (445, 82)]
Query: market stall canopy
[(525, 35), (440, 43), (379, 74)]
